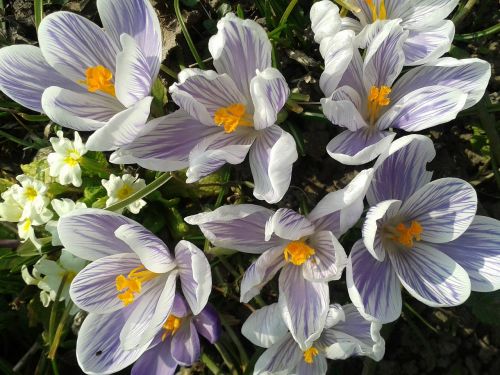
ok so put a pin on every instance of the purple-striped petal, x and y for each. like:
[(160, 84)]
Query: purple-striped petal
[(269, 92), (240, 227), (431, 276), (71, 44), (317, 367), (152, 251), (271, 158), (343, 109), (185, 348), (288, 224), (265, 327), (98, 347), (180, 308), (304, 305), (403, 170), (138, 19), (373, 286), (329, 259), (325, 19), (24, 75), (359, 147), (94, 288), (195, 275), (208, 324), (156, 361), (478, 252), (444, 208), (261, 272), (425, 13), (280, 359), (425, 45), (86, 233), (353, 75), (122, 129), (240, 48)]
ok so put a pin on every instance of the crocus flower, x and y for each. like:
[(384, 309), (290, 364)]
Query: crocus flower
[(86, 78), (121, 187), (429, 34), (129, 286), (64, 163), (224, 115), (178, 343), (305, 249), (61, 208), (367, 100), (346, 334), (422, 235)]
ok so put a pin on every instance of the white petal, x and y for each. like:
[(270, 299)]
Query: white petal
[(264, 327), (325, 19)]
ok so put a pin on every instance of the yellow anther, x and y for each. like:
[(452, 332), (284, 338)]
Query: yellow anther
[(171, 326), (309, 354), (381, 14), (406, 235), (30, 193), (232, 116), (297, 252), (132, 284), (98, 78), (377, 98), (124, 192)]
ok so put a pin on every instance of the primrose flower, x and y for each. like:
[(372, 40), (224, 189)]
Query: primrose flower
[(346, 334), (86, 78), (367, 100), (120, 188), (422, 235), (129, 286), (305, 248), (61, 207), (429, 34), (179, 343), (64, 163), (225, 115)]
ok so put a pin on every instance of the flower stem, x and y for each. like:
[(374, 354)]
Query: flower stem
[(185, 31), (53, 311), (148, 189), (226, 358), (167, 70), (38, 5), (59, 331), (478, 34), (237, 342), (210, 364), (419, 317), (463, 13)]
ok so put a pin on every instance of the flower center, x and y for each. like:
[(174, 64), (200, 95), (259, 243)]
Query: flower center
[(27, 225), (232, 116), (297, 252), (98, 78), (171, 326), (72, 157), (30, 193), (124, 192), (381, 14), (309, 354), (132, 284), (377, 98), (406, 235)]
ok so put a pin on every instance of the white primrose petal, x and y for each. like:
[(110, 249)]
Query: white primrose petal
[(240, 227), (152, 251), (431, 276), (271, 158), (325, 19), (122, 129), (240, 48), (265, 327), (329, 259), (373, 286), (85, 233), (195, 275), (304, 305), (280, 359), (269, 91)]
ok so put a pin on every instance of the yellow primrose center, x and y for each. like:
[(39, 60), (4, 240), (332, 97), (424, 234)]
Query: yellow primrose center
[(124, 192), (98, 78), (297, 252), (406, 235), (377, 98), (309, 354), (72, 157), (30, 193), (232, 116), (381, 14), (27, 225), (132, 284), (171, 326)]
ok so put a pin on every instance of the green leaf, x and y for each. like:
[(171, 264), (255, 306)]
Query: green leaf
[(190, 3), (486, 307)]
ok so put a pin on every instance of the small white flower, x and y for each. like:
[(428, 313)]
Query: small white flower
[(31, 198), (61, 207), (10, 209), (120, 188), (64, 163)]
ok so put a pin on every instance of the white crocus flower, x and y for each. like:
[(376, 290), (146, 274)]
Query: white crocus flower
[(61, 207), (64, 163), (120, 188)]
